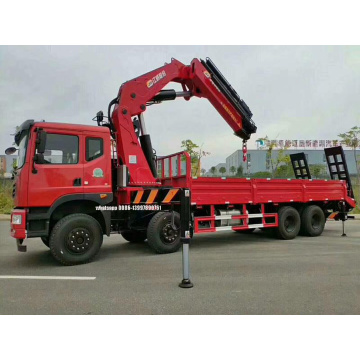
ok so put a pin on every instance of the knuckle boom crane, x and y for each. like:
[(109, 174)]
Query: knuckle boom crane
[(201, 79), (75, 183)]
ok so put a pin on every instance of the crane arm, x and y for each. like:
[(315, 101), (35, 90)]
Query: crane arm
[(200, 79)]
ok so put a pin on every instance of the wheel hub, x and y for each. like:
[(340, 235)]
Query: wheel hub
[(315, 221), (289, 224), (79, 241), (169, 235)]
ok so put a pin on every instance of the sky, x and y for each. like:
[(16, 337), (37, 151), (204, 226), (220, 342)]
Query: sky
[(294, 92)]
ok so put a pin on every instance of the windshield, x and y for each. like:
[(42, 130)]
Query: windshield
[(22, 149)]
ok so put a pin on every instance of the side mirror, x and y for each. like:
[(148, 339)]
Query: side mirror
[(99, 117), (10, 150), (40, 147), (39, 158), (41, 141)]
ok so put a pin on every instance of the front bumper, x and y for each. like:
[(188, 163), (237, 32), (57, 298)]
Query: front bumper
[(18, 230)]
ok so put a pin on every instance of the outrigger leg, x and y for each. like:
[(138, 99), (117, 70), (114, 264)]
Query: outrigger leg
[(185, 237)]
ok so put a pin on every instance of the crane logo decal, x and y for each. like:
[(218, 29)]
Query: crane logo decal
[(156, 79), (231, 114)]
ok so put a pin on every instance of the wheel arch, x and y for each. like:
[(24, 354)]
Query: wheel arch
[(85, 204), (82, 207)]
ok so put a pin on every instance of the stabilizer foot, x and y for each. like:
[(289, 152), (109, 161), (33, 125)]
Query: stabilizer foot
[(186, 284)]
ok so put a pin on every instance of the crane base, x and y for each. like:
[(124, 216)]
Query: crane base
[(186, 284)]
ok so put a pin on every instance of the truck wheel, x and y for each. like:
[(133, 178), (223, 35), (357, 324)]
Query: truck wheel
[(134, 236), (312, 221), (161, 236), (289, 223), (76, 239), (45, 240)]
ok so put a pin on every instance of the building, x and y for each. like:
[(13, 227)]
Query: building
[(6, 163), (259, 160), (218, 173)]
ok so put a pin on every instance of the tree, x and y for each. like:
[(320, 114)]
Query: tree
[(240, 171), (281, 160), (233, 170), (203, 171), (222, 170), (196, 153), (213, 170), (352, 139), (317, 170), (284, 172)]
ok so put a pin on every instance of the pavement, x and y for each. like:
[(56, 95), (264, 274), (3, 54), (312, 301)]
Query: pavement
[(232, 274)]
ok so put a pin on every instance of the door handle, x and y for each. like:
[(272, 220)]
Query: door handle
[(77, 182)]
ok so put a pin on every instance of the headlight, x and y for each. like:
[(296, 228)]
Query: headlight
[(16, 219)]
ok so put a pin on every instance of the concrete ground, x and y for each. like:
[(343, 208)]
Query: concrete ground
[(232, 273)]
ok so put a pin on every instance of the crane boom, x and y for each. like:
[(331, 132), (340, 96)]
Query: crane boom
[(200, 79)]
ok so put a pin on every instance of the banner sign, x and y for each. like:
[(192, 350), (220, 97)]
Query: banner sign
[(298, 144)]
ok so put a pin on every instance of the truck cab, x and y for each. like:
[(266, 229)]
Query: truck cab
[(62, 168)]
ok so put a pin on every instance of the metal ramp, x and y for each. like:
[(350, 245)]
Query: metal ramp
[(300, 166), (338, 169)]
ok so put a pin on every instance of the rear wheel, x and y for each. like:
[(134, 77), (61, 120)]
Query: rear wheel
[(289, 223), (134, 236), (162, 236), (76, 239), (312, 221)]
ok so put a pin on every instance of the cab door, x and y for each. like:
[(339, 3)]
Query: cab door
[(61, 173), (97, 163)]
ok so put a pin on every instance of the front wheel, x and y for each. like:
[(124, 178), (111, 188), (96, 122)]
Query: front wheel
[(162, 235), (45, 240), (76, 239)]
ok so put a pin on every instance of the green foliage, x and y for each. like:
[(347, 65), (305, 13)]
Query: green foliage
[(284, 172), (352, 139), (275, 162), (203, 171), (222, 170), (6, 201), (196, 153), (261, 175), (213, 170), (240, 171), (233, 170), (318, 171)]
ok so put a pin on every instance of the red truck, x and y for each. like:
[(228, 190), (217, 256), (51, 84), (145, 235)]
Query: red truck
[(75, 183)]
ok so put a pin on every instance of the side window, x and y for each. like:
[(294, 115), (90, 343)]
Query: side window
[(61, 149), (94, 148)]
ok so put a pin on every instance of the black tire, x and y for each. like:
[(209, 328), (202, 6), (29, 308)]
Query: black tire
[(76, 239), (289, 223), (134, 236), (161, 236), (246, 231), (45, 240), (312, 221)]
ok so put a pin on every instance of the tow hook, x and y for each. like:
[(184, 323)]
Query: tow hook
[(20, 246)]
